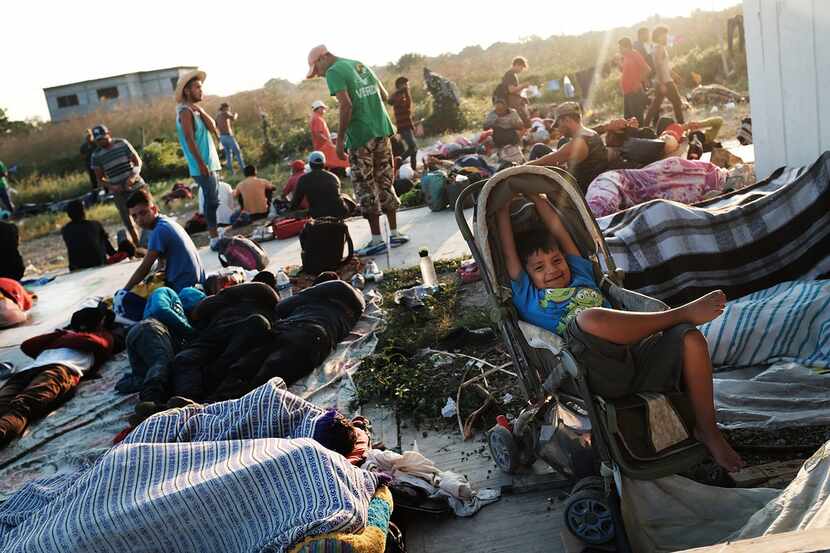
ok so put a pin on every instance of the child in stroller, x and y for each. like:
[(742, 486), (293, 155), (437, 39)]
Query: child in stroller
[(553, 287)]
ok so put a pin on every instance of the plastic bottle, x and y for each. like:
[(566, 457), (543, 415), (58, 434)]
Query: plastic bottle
[(284, 288), (428, 276), (372, 273)]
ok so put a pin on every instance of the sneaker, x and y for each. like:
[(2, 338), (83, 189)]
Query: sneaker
[(398, 240), (371, 249), (214, 244)]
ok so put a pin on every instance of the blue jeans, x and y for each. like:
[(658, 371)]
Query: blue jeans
[(210, 188), (231, 150)]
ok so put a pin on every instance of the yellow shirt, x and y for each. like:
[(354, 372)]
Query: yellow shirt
[(253, 190)]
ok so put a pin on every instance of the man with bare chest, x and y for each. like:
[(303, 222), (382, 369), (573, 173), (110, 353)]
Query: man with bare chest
[(224, 122)]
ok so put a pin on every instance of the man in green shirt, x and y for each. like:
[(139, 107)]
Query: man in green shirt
[(5, 198), (364, 131)]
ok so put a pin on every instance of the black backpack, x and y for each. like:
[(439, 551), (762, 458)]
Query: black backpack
[(321, 242)]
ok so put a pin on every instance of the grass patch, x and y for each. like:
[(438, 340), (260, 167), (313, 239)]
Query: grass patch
[(394, 376)]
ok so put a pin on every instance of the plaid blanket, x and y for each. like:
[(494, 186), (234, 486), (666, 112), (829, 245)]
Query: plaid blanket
[(219, 478), (774, 231)]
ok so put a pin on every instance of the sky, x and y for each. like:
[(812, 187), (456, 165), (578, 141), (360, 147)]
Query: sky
[(241, 44)]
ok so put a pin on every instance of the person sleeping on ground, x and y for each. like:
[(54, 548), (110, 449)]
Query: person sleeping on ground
[(60, 360), (624, 353), (245, 335), (260, 473)]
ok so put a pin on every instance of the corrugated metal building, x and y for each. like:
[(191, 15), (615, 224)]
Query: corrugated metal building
[(76, 99)]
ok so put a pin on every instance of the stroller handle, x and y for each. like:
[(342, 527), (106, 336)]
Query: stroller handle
[(460, 219)]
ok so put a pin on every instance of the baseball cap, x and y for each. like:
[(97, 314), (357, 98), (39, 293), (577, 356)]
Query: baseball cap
[(99, 131), (315, 54), (318, 104), (317, 158), (568, 108), (297, 165)]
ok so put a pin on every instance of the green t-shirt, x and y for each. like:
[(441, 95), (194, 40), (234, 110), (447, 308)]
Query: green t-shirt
[(369, 117), (3, 182)]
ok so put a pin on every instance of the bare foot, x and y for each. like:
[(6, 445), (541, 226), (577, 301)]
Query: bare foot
[(704, 309), (720, 449)]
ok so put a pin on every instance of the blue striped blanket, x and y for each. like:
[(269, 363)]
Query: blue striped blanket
[(789, 322), (241, 475)]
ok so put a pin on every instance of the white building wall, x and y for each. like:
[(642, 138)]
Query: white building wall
[(788, 58)]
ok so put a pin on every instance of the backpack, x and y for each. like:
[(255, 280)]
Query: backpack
[(239, 251), (321, 243), (434, 187)]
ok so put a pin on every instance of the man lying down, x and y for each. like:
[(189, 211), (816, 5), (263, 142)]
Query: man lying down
[(258, 473), (240, 338)]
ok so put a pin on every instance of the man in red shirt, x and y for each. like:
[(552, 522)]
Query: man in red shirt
[(401, 102), (635, 70), (297, 171)]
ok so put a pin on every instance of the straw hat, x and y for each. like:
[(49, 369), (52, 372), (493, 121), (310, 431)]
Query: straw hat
[(186, 78)]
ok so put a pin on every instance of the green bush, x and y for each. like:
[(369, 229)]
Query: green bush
[(413, 198), (163, 159)]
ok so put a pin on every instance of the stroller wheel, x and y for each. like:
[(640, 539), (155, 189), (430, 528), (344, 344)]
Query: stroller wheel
[(503, 448), (589, 518), (590, 483)]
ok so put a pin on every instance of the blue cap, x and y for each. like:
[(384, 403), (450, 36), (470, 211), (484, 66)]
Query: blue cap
[(190, 297), (317, 158), (99, 131)]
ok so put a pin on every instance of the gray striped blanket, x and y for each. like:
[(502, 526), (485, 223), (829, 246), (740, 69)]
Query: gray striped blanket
[(241, 475), (789, 322), (774, 231)]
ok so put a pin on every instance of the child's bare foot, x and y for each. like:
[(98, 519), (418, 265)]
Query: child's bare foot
[(705, 308), (720, 449)]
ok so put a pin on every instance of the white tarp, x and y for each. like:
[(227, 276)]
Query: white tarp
[(674, 513)]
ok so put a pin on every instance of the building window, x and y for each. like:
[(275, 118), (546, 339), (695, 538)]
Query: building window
[(108, 93), (67, 101), (174, 81)]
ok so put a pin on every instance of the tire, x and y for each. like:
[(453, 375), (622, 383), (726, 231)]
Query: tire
[(589, 518), (503, 449), (589, 483)]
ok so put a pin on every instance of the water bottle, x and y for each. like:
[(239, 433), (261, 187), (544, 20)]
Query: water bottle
[(358, 281), (428, 275), (284, 288), (372, 273)]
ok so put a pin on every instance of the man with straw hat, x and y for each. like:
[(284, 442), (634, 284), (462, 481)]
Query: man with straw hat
[(364, 131), (194, 127)]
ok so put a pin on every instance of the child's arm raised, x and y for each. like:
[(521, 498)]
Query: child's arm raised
[(508, 243), (554, 224)]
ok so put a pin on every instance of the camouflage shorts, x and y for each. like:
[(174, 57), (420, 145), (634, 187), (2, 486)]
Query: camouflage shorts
[(373, 177)]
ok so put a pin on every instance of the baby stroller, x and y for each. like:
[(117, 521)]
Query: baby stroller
[(592, 439)]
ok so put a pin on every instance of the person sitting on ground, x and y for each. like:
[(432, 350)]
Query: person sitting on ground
[(255, 194), (168, 240), (60, 359), (227, 204), (12, 266), (626, 353), (584, 155), (506, 125), (322, 190), (297, 171), (87, 242)]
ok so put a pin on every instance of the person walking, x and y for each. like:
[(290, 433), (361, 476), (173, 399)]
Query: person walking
[(194, 127), (117, 168), (365, 129), (511, 90), (401, 102), (635, 70), (224, 120), (665, 86), (5, 198), (321, 138)]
